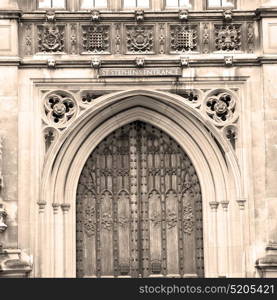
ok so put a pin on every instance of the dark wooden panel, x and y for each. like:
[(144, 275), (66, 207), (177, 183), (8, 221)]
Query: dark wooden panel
[(139, 208)]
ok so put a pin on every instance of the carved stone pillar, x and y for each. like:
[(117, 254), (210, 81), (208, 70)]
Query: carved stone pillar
[(214, 254), (66, 259)]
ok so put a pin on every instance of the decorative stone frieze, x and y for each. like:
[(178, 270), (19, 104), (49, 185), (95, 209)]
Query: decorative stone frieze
[(81, 37)]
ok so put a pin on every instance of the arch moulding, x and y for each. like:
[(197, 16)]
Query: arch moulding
[(219, 178)]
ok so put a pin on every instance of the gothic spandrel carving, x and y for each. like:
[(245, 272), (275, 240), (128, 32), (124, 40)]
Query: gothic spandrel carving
[(51, 38), (184, 38), (228, 37), (95, 38), (221, 107), (140, 39), (60, 108)]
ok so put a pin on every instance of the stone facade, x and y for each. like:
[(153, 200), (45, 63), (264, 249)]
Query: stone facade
[(205, 77)]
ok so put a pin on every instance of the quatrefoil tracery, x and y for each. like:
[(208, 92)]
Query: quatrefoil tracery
[(221, 107), (60, 108)]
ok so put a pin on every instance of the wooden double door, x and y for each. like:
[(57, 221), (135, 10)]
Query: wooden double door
[(139, 208)]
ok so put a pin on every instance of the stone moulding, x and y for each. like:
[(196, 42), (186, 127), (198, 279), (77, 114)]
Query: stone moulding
[(14, 263), (135, 104)]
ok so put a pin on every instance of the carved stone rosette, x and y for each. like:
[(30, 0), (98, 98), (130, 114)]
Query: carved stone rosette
[(140, 39), (221, 107), (59, 108), (51, 38)]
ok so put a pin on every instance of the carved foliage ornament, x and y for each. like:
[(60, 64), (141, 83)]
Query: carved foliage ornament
[(51, 38), (59, 109), (95, 38), (140, 39), (184, 38), (228, 37), (221, 107)]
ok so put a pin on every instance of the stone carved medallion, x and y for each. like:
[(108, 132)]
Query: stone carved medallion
[(228, 37), (95, 38), (140, 39), (50, 38), (221, 107), (183, 38), (59, 109)]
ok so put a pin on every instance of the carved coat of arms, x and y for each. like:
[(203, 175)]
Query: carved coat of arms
[(140, 40), (51, 39)]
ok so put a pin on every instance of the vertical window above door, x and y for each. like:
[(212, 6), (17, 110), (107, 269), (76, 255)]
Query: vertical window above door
[(136, 4), (171, 4), (89, 4), (51, 4), (218, 4)]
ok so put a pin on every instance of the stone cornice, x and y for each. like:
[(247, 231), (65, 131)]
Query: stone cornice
[(149, 63), (10, 14), (149, 16)]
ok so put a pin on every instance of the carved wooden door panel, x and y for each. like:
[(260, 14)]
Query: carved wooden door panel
[(139, 209)]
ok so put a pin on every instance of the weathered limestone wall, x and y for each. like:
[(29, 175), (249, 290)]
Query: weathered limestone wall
[(8, 130), (270, 106)]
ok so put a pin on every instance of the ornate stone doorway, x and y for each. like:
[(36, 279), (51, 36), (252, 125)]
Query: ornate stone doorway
[(139, 208)]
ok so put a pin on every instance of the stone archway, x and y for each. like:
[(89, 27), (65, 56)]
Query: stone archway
[(218, 176)]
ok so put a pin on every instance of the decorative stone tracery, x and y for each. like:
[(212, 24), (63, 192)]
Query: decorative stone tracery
[(60, 108), (221, 107), (228, 37), (51, 38)]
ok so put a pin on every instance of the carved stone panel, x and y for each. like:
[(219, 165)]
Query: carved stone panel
[(228, 37), (140, 39), (139, 209), (184, 38), (96, 38), (51, 38)]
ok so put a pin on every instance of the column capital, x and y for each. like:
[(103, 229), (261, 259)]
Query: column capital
[(65, 207), (241, 202), (41, 205), (224, 204), (214, 205), (55, 207)]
